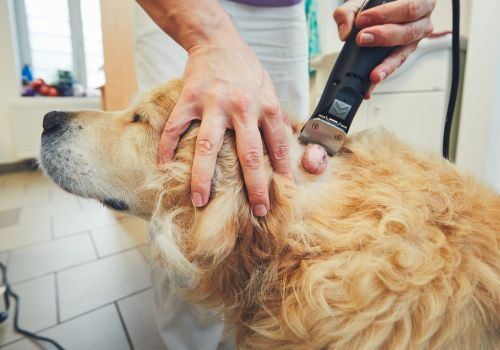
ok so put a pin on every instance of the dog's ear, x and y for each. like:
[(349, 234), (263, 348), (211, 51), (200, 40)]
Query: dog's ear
[(186, 241), (167, 250), (216, 227)]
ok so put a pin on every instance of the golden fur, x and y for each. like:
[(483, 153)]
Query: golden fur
[(389, 249)]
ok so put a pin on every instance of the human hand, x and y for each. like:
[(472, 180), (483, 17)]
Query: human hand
[(401, 23), (226, 87)]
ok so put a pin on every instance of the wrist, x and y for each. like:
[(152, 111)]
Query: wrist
[(192, 24)]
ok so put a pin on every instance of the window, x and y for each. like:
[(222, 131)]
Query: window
[(62, 35)]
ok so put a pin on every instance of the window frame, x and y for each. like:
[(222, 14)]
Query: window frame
[(77, 39)]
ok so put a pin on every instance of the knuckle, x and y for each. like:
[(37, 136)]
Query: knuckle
[(214, 96), (280, 153), (205, 146), (240, 105), (170, 127), (257, 195), (413, 9), (251, 159), (411, 33), (190, 94), (384, 14), (199, 182), (385, 37), (271, 110)]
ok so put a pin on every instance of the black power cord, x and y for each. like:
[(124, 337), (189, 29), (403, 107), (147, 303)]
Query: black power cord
[(8, 293), (455, 78)]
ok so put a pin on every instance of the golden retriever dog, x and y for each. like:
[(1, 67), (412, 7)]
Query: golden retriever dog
[(389, 249)]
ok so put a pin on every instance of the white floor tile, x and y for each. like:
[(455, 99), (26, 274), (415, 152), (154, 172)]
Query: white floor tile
[(16, 196), (79, 222), (50, 256), (37, 308), (97, 283), (138, 314), (145, 251), (47, 210), (125, 234), (25, 233), (100, 329)]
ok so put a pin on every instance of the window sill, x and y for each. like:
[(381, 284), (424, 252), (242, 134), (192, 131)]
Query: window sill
[(40, 101)]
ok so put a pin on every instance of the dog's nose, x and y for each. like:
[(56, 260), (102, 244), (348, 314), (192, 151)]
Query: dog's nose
[(53, 120)]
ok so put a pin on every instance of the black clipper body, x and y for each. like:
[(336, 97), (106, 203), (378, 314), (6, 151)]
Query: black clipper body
[(344, 91)]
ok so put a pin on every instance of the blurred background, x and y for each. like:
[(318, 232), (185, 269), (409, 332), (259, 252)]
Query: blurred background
[(82, 270)]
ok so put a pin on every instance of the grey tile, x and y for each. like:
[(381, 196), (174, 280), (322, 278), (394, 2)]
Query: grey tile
[(24, 234), (9, 217), (37, 307), (97, 283), (100, 329), (125, 234), (50, 256), (138, 315)]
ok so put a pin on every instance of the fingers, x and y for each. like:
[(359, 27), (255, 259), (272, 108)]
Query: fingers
[(315, 159), (395, 34), (402, 11), (273, 127), (392, 62), (344, 16), (208, 144), (250, 154), (176, 125)]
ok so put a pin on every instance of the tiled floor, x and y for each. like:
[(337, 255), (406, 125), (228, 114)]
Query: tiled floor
[(81, 270)]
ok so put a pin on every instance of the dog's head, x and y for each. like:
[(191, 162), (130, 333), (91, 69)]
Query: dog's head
[(113, 157), (109, 155)]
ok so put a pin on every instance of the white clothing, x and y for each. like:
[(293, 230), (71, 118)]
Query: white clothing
[(278, 36)]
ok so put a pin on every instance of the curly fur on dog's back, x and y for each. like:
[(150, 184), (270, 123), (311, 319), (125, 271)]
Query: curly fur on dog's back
[(389, 250)]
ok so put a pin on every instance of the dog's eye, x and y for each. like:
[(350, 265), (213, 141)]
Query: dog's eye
[(136, 119)]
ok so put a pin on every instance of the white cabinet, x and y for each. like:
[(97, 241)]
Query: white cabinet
[(26, 118), (415, 117)]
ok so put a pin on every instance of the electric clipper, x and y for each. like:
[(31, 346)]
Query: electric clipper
[(344, 91)]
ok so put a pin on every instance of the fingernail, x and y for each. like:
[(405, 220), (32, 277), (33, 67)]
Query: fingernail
[(367, 38), (363, 21), (260, 210), (197, 199), (382, 76)]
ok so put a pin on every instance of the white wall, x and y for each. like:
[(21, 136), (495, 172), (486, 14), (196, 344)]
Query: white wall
[(441, 18), (9, 86), (493, 156), (21, 118), (478, 144)]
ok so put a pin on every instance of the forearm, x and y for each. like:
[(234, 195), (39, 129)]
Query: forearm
[(189, 22)]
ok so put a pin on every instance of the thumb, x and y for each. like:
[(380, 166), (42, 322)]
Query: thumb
[(344, 17)]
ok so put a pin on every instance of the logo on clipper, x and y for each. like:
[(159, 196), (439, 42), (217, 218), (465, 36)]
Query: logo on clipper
[(340, 109)]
